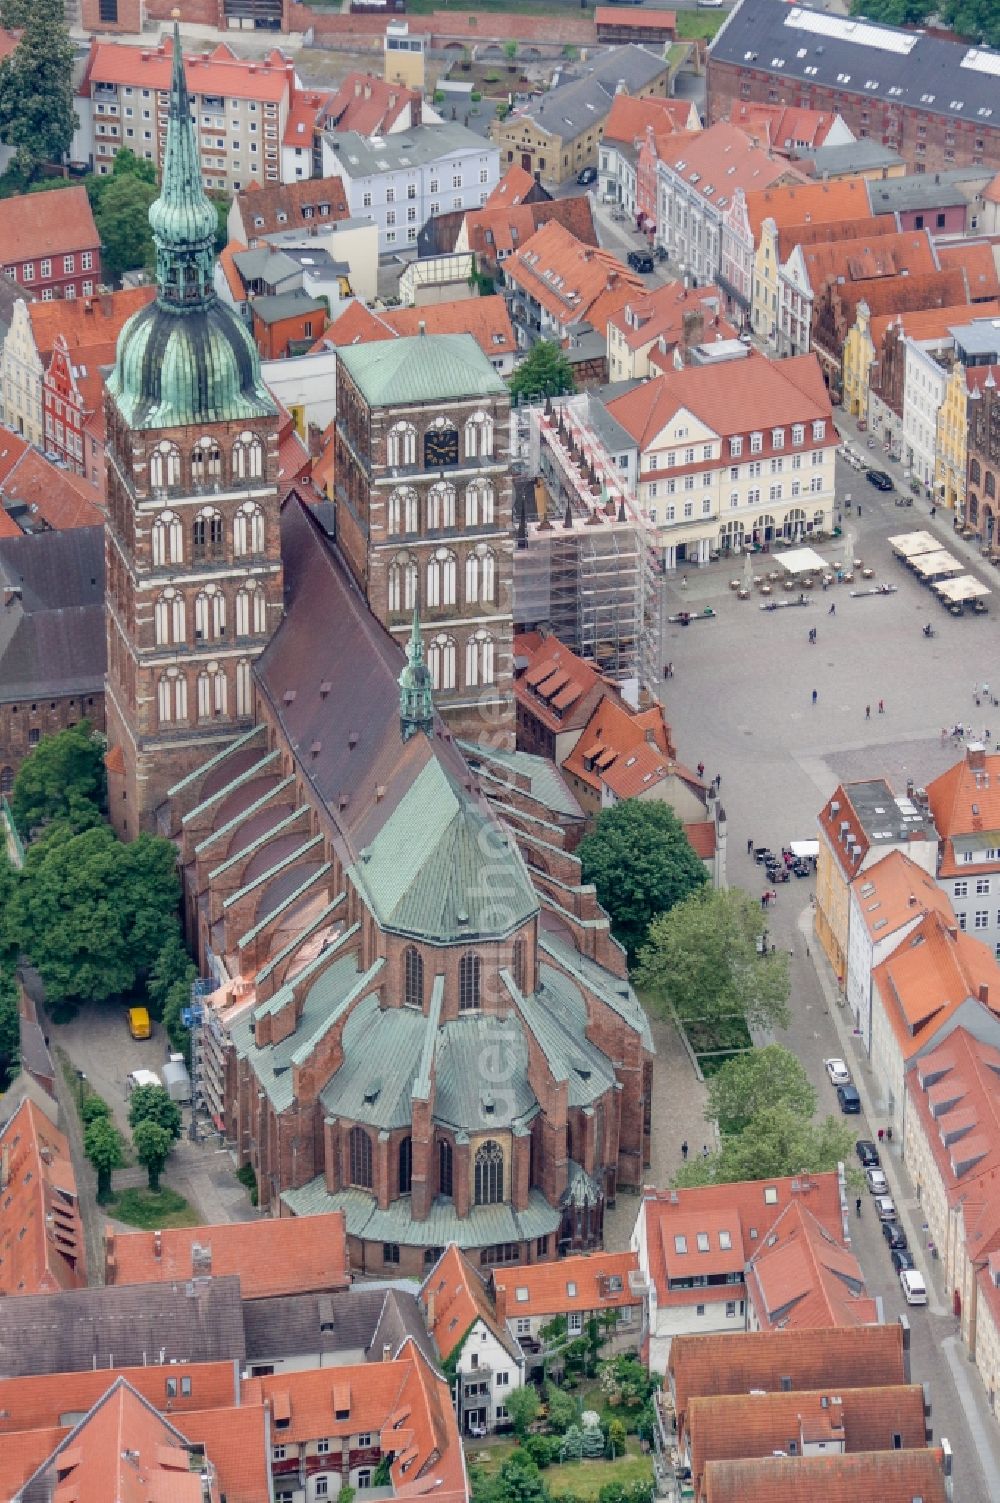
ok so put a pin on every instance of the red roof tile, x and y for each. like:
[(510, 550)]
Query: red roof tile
[(782, 127), (893, 892), (41, 1234), (928, 977), (34, 225), (955, 1093), (313, 202), (720, 160), (805, 1276), (58, 498), (36, 1402), (368, 104), (85, 321), (453, 1297), (495, 230), (888, 1476), (273, 1256), (593, 1281), (573, 282), (266, 80), (808, 203), (512, 188), (661, 314), (611, 15), (485, 318), (630, 118), (977, 258), (236, 1442)]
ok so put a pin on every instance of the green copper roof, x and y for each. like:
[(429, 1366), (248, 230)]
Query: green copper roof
[(416, 704), (442, 869), (422, 368), (186, 358), (483, 1227)]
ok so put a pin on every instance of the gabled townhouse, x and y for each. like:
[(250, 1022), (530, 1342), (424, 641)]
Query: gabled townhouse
[(938, 977), (747, 458), (563, 290), (790, 130), (695, 1246), (887, 902), (866, 360), (497, 230), (41, 1231), (485, 318), (484, 1361), (634, 133), (803, 1276), (49, 243), (372, 105), (965, 805), (698, 177), (601, 1286), (951, 443), (656, 330), (858, 825), (72, 392), (928, 357), (260, 210)]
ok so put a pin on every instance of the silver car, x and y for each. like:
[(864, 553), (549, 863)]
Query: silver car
[(877, 1182)]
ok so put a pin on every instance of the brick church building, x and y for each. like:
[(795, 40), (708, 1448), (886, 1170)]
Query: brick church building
[(413, 1008)]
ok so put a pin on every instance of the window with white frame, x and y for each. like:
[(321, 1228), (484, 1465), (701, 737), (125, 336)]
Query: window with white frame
[(402, 512), (248, 531), (982, 885), (209, 614), (402, 582), (440, 506), (169, 618), (248, 457), (819, 429), (480, 659), (480, 575), (401, 444), (165, 465), (251, 610), (168, 539), (441, 578), (212, 692), (961, 888), (777, 438), (480, 504), (172, 696), (441, 659), (982, 920), (244, 688), (756, 442), (798, 433), (479, 436)]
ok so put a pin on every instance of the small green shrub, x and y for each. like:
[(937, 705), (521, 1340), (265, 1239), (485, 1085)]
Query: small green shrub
[(248, 1180)]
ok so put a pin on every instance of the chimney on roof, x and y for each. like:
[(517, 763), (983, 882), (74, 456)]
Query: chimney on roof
[(500, 1301), (88, 305), (387, 1351), (953, 931), (975, 756), (392, 101), (357, 88), (368, 91), (430, 1309), (157, 1244), (913, 900), (421, 327), (984, 993)]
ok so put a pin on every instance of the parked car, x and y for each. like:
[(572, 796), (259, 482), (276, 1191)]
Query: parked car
[(877, 1182), (838, 1072), (586, 175), (867, 1153), (902, 1258), (879, 479), (894, 1235), (850, 1101), (640, 261), (913, 1287), (139, 1025), (886, 1207)]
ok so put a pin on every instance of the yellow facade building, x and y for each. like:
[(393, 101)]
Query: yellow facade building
[(951, 443), (858, 358)]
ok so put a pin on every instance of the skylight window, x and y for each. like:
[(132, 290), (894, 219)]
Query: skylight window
[(703, 1244)]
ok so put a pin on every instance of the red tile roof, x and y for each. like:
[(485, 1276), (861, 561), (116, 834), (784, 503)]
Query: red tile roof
[(553, 671), (735, 1426), (236, 1443), (660, 315), (512, 188), (720, 160), (453, 1297), (23, 1453), (51, 224), (592, 1281), (718, 1228), (306, 114), (955, 1092), (629, 751), (885, 1476), (965, 800), (808, 203), (930, 323), (612, 15), (312, 202), (58, 498), (36, 1402), (977, 259), (41, 1234), (85, 321), (928, 977), (804, 1276), (831, 1358), (267, 80), (630, 118), (573, 282), (701, 839), (757, 395), (870, 257), (495, 230), (368, 104), (485, 318), (227, 265), (782, 127), (895, 891), (273, 1256)]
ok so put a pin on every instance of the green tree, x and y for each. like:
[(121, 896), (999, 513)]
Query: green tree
[(642, 864), (517, 1481), (92, 1108), (62, 773), (754, 1081), (173, 964), (626, 1382), (122, 218), (152, 1103), (105, 1148), (36, 85), (895, 12), (544, 372), (510, 51), (776, 1142), (572, 1444), (616, 1438), (10, 1027), (563, 1409), (522, 1406), (978, 20), (152, 1145), (701, 963), (593, 1440)]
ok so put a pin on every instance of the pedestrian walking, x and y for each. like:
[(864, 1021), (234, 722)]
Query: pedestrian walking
[(833, 609), (881, 1134), (888, 1134), (701, 769), (815, 696), (750, 846), (857, 1206), (684, 1150), (763, 900), (881, 706), (868, 712), (704, 1150)]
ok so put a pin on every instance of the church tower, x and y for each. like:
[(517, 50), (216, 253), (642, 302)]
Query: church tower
[(194, 583)]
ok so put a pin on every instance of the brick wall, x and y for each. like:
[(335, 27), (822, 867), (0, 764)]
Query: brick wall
[(129, 17), (24, 722)]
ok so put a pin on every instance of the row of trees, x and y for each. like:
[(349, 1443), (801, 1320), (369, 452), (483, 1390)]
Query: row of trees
[(98, 918), (155, 1121), (977, 20)]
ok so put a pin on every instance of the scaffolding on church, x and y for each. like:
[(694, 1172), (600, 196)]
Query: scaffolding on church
[(584, 565)]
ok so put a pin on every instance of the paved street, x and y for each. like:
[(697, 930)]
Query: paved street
[(741, 702)]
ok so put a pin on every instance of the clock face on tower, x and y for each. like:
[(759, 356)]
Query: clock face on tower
[(441, 447)]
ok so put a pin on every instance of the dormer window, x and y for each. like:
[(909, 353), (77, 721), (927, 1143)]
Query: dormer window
[(798, 433), (756, 442), (777, 438), (736, 447), (819, 430)]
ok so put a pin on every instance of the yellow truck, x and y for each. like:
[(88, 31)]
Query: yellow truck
[(139, 1025)]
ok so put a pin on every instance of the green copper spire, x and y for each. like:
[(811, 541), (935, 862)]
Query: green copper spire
[(182, 219), (416, 706)]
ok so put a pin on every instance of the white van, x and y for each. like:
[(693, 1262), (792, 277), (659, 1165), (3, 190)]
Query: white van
[(913, 1286)]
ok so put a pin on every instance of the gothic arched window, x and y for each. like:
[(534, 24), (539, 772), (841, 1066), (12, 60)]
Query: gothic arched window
[(206, 535), (251, 610), (441, 576), (402, 582), (480, 503), (469, 972), (169, 618), (213, 694), (165, 466), (168, 539), (244, 688), (248, 457), (445, 1171), (481, 575), (441, 661), (209, 614), (401, 444), (405, 1165), (479, 436), (360, 1155), (440, 506), (489, 1173), (171, 693), (413, 977), (248, 530), (480, 659), (402, 512), (206, 461), (974, 471)]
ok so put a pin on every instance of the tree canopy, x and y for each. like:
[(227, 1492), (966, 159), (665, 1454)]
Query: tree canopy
[(976, 20), (36, 84), (121, 213), (61, 777), (750, 1083), (544, 372), (105, 1148), (152, 1145), (10, 1027), (152, 1103), (701, 963), (778, 1141), (642, 864)]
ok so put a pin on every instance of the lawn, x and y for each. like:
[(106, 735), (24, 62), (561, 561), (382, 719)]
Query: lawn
[(699, 23), (584, 1479), (150, 1212)]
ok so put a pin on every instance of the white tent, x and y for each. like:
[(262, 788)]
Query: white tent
[(935, 565), (955, 591), (801, 561), (909, 544)]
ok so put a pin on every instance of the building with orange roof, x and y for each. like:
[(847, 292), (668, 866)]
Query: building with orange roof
[(245, 102), (872, 349), (517, 186), (831, 1358), (372, 105), (695, 1247), (261, 210), (601, 1286), (927, 357), (698, 177), (937, 980), (858, 825), (695, 432), (43, 497), (804, 1276), (657, 28), (825, 1422), (485, 318), (790, 130), (887, 901), (655, 329), (41, 1232), (88, 326), (964, 803), (473, 1338), (43, 1401), (951, 447), (495, 231), (561, 287), (49, 243), (889, 1476), (273, 1257), (635, 132)]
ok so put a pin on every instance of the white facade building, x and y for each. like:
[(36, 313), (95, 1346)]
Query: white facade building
[(924, 383)]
